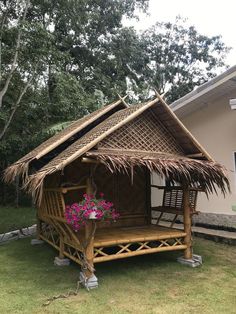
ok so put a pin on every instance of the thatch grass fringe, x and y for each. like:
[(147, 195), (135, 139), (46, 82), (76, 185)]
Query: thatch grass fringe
[(208, 174), (34, 184), (17, 169)]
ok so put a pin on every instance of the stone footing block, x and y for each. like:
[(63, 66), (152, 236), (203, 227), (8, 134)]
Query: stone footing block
[(88, 283), (61, 261), (193, 262), (36, 241)]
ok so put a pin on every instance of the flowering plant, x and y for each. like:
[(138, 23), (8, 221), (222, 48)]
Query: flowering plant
[(100, 209)]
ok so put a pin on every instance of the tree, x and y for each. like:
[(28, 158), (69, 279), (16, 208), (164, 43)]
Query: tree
[(46, 49), (180, 58), (174, 58), (21, 58), (40, 40)]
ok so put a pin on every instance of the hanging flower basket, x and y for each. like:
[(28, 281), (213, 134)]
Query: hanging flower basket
[(90, 208), (93, 214)]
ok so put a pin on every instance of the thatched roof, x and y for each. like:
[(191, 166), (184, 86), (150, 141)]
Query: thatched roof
[(147, 134), (76, 129), (176, 168)]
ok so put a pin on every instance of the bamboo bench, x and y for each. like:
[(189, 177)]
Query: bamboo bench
[(172, 203)]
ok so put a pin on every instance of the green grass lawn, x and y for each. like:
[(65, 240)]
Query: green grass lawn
[(12, 218), (146, 284)]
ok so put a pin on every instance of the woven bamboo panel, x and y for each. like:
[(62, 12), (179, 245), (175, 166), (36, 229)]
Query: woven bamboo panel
[(146, 132), (52, 204), (174, 199), (176, 130)]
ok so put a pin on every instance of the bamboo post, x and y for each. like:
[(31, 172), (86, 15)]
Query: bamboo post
[(187, 224), (89, 237), (148, 197)]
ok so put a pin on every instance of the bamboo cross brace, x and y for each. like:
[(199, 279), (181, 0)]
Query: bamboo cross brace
[(99, 251), (164, 243), (177, 241), (124, 248), (143, 245)]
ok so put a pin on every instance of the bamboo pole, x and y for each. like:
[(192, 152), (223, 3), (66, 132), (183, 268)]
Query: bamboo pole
[(148, 197), (187, 224), (89, 237)]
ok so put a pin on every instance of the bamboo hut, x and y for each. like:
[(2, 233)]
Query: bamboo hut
[(114, 150)]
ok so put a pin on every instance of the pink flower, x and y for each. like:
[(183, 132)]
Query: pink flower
[(77, 214)]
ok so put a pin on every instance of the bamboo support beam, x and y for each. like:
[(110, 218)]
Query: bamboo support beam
[(141, 252), (169, 188), (89, 237), (66, 189), (187, 225)]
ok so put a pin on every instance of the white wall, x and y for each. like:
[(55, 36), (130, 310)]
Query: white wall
[(156, 195), (214, 126)]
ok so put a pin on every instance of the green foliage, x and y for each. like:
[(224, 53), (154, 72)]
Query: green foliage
[(180, 58)]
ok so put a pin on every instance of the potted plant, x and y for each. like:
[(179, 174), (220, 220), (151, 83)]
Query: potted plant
[(89, 208)]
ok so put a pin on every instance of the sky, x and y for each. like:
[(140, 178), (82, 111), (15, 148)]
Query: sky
[(210, 17)]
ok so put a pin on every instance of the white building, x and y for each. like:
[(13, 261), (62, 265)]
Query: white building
[(209, 114)]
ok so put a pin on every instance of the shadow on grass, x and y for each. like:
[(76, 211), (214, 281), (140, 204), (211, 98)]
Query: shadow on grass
[(34, 267), (35, 263)]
